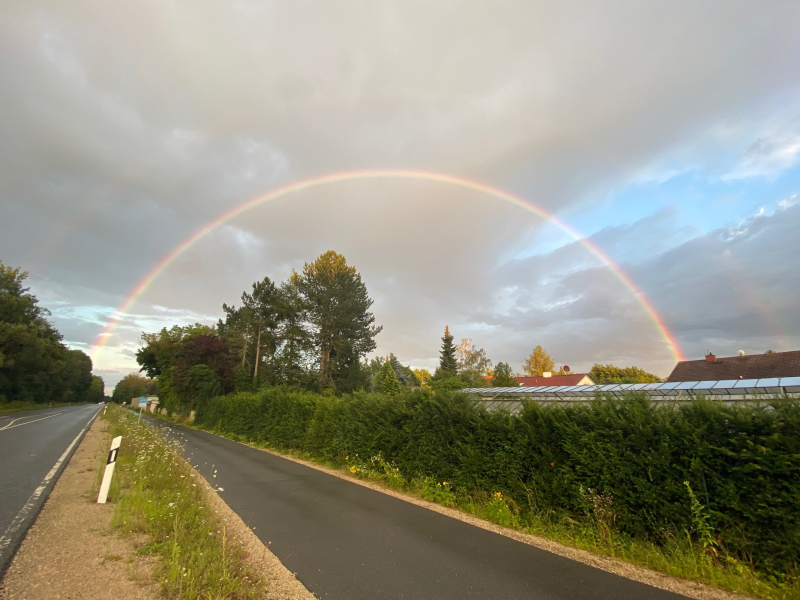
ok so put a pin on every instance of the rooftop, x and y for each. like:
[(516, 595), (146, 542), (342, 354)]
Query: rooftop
[(553, 380), (754, 366)]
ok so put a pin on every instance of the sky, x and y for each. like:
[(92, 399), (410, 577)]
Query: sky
[(666, 135)]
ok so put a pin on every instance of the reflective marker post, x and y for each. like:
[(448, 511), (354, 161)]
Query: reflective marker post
[(112, 459)]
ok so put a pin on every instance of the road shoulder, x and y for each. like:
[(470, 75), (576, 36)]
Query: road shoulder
[(69, 551)]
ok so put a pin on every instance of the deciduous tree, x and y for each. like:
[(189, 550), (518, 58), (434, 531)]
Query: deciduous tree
[(537, 363), (34, 363), (610, 374), (423, 376), (473, 364)]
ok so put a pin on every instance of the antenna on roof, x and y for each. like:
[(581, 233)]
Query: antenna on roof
[(741, 353), (566, 368)]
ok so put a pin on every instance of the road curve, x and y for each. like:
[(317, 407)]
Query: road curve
[(347, 542), (35, 446)]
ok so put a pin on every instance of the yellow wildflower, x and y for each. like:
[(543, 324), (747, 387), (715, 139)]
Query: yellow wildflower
[(353, 469)]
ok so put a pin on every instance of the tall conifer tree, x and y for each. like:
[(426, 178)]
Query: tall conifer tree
[(447, 356)]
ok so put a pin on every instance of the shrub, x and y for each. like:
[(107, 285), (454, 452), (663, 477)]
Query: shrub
[(622, 462)]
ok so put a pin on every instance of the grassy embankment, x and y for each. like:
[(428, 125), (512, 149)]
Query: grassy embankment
[(449, 441), (157, 494), (19, 406)]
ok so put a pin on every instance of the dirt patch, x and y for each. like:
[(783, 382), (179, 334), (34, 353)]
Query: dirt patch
[(691, 589), (69, 552)]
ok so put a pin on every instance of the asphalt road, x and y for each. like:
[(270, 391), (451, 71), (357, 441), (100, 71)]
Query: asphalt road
[(31, 445), (348, 542)]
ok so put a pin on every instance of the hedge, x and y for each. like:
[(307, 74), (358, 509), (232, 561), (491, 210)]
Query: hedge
[(742, 461)]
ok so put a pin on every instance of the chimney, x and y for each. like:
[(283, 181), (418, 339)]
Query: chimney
[(547, 374), (711, 358)]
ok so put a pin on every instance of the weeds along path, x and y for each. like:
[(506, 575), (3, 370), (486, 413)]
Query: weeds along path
[(346, 541), (158, 500)]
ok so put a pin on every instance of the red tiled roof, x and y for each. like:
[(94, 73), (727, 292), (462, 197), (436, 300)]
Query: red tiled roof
[(555, 380), (754, 366)]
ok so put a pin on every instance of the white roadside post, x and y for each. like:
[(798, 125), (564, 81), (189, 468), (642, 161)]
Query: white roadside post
[(112, 460)]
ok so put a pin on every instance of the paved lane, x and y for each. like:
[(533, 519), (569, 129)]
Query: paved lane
[(348, 542), (31, 443)]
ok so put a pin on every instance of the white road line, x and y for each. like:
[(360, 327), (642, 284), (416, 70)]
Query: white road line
[(10, 426), (29, 505)]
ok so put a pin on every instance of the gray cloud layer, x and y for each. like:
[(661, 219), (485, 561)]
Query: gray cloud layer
[(126, 127)]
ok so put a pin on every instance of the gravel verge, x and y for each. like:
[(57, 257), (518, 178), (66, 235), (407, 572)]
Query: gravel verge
[(69, 552)]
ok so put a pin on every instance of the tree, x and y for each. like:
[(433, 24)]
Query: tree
[(447, 355), (132, 386), (236, 328), (97, 389), (294, 340), (386, 381), (473, 364), (260, 308), (537, 363), (404, 374), (423, 376), (610, 374), (34, 363), (342, 328), (170, 355), (201, 384), (503, 376), (161, 349)]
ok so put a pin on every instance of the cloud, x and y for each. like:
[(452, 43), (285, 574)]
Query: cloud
[(767, 157), (127, 128)]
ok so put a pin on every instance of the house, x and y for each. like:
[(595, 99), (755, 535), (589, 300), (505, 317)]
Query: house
[(548, 379), (754, 366)]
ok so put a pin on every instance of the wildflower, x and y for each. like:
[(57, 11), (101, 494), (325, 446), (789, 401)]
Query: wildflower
[(353, 469), (498, 495)]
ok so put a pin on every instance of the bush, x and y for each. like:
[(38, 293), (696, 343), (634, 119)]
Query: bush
[(743, 461)]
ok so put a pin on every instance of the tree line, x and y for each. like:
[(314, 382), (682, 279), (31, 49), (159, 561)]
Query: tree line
[(466, 366), (35, 365), (310, 332)]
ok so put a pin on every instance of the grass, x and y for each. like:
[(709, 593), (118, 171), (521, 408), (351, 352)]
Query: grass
[(19, 406), (156, 495), (681, 556)]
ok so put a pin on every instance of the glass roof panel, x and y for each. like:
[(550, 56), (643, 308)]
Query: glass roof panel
[(746, 383)]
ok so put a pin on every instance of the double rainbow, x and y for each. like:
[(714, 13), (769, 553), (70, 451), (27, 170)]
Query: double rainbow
[(142, 286)]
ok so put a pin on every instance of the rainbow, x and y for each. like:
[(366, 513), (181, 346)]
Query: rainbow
[(306, 184)]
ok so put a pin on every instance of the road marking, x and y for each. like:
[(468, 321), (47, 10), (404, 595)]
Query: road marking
[(29, 505), (10, 426)]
